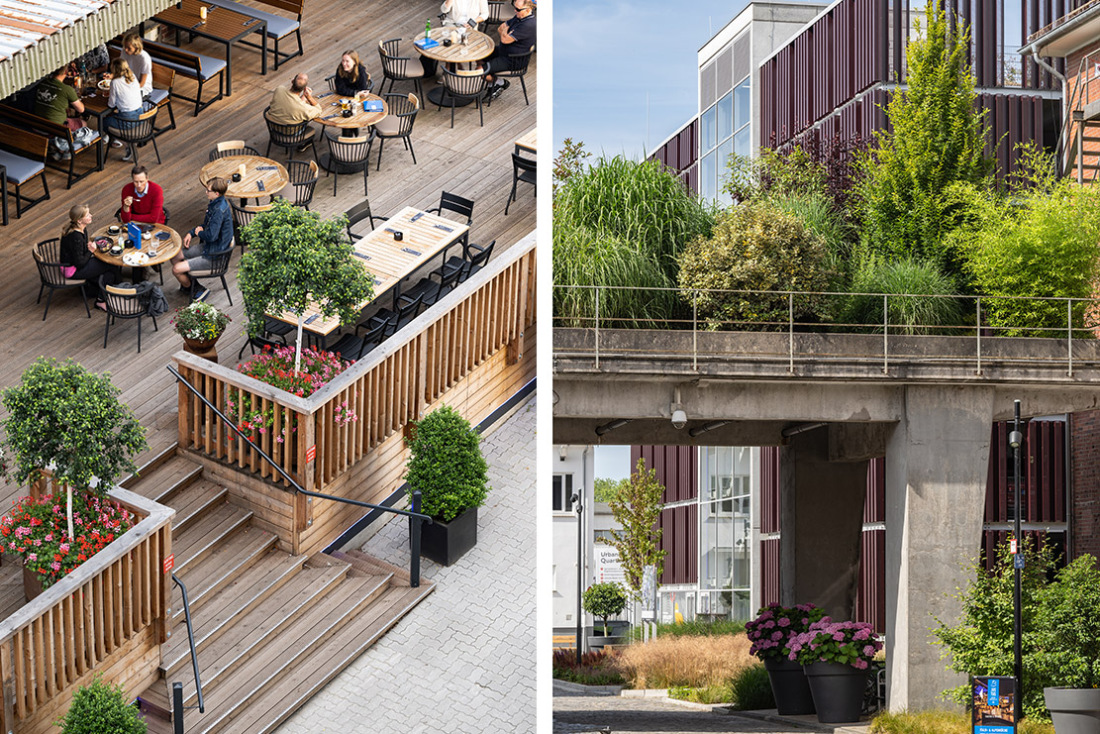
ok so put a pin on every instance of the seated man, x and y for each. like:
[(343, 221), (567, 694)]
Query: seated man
[(215, 234), (294, 105), (517, 36), (58, 102), (142, 200)]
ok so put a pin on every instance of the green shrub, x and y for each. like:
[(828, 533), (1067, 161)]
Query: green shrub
[(603, 601), (755, 247), (446, 465), (694, 628), (101, 708), (941, 722), (876, 274), (752, 690), (706, 694)]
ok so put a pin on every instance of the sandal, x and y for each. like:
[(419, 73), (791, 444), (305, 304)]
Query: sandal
[(101, 305)]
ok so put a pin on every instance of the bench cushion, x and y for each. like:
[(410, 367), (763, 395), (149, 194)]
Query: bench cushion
[(158, 95), (208, 65), (20, 169), (278, 26)]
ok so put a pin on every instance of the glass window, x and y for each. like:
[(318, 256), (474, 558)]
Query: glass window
[(707, 188), (742, 141), (707, 129), (742, 104), (725, 150), (725, 117), (563, 493)]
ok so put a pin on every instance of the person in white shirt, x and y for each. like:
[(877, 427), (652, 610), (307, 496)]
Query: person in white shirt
[(458, 12), (141, 64), (125, 97)]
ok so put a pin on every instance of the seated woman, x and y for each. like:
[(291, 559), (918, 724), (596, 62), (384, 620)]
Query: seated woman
[(126, 98), (351, 76), (461, 12), (77, 260)]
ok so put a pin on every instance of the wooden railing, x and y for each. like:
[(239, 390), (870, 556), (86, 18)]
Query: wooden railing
[(387, 389), (108, 615)]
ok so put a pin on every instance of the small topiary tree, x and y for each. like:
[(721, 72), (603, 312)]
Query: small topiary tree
[(70, 421), (636, 508), (446, 465), (755, 247), (101, 708), (295, 258), (603, 601)]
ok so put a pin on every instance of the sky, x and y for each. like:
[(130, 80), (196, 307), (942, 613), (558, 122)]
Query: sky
[(609, 55), (612, 462)]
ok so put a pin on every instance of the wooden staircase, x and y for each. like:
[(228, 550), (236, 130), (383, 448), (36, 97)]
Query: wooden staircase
[(270, 628)]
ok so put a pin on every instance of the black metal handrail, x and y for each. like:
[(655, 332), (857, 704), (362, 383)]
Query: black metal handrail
[(178, 710), (414, 514)]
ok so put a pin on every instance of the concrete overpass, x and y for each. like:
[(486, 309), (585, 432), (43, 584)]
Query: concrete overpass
[(833, 402)]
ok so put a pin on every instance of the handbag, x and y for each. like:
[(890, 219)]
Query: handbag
[(68, 270)]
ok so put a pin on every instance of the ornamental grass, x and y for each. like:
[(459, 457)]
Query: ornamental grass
[(698, 662)]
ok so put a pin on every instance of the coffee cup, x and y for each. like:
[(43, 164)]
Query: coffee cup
[(113, 229), (398, 236), (236, 177)]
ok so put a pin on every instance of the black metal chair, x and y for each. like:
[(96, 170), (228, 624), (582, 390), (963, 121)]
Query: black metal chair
[(398, 123), (137, 132), (523, 169), (303, 179), (353, 344), (349, 150), (228, 148), (518, 70), (430, 291), (219, 266), (458, 204), (261, 342), (47, 258), (407, 308), (124, 303), (475, 258), (398, 68), (242, 215), (468, 86), (290, 137)]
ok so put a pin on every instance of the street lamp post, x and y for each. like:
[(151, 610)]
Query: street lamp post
[(579, 507), (1015, 439)]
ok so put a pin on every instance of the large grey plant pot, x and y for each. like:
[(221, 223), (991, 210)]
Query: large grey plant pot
[(1074, 710)]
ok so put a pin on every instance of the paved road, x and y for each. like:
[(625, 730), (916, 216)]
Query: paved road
[(441, 669)]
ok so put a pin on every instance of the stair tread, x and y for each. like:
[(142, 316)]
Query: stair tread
[(233, 556), (192, 500), (370, 564), (350, 600), (200, 537), (164, 478), (234, 602), (287, 692)]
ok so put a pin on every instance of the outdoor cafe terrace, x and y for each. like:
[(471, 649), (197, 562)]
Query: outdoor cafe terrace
[(468, 160)]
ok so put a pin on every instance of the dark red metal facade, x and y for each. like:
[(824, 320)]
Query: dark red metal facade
[(681, 153), (769, 571), (677, 470)]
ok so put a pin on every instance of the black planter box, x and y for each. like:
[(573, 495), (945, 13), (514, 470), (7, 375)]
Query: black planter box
[(446, 542)]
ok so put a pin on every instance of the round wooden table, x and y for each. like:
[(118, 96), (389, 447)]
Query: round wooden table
[(478, 45), (256, 169), (165, 249), (332, 117)]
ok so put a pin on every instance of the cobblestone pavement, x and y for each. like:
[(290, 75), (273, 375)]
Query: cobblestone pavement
[(441, 668), (652, 715)]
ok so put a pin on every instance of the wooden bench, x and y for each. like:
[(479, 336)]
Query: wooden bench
[(191, 65), (278, 26), (24, 157), (33, 123)]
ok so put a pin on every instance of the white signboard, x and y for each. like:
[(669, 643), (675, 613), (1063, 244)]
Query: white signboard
[(608, 568)]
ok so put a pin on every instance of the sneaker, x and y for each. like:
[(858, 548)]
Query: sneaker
[(185, 289), (129, 154), (116, 143), (200, 293), (496, 91)]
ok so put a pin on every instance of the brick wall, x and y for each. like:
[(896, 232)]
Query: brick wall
[(1085, 482)]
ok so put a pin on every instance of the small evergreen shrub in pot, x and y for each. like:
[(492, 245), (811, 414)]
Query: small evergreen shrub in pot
[(603, 601), (446, 466), (101, 708)]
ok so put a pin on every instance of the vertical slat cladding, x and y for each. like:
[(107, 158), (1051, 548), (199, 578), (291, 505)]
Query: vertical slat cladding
[(874, 505), (871, 598), (769, 571), (769, 489), (1058, 458)]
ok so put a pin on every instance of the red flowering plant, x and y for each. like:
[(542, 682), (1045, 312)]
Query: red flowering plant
[(846, 643), (776, 625), (36, 529)]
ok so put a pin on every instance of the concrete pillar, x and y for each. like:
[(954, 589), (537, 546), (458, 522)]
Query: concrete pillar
[(821, 503), (936, 469)]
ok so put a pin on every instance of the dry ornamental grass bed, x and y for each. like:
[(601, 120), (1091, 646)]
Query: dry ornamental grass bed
[(685, 661)]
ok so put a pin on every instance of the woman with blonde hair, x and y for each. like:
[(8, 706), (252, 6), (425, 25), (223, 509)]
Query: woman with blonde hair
[(125, 97), (351, 76), (77, 260)]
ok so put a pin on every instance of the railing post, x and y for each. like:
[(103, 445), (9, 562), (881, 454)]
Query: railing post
[(414, 537), (1069, 333), (177, 707), (979, 335), (790, 333), (885, 334), (597, 327), (695, 330)]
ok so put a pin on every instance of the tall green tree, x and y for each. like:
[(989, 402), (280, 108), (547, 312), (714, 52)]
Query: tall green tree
[(636, 509), (913, 178)]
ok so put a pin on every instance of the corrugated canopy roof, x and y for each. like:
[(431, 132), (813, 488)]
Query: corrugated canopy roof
[(38, 36)]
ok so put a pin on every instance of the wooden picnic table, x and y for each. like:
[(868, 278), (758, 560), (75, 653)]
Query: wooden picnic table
[(390, 262), (257, 170), (478, 45), (165, 248)]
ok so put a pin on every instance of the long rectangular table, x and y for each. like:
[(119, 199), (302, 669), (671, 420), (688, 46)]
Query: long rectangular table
[(222, 25), (390, 262)]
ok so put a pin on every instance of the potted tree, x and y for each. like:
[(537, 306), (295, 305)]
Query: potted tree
[(1067, 640), (201, 325), (101, 708), (446, 466), (771, 633), (836, 656), (296, 259), (68, 422), (603, 600)]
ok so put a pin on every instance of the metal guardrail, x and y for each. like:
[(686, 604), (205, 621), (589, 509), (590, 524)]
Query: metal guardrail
[(177, 687), (1079, 317)]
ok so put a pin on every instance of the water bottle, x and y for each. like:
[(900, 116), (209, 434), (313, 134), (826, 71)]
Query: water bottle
[(427, 29)]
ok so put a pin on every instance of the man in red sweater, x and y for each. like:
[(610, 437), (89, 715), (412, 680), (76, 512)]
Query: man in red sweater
[(142, 200)]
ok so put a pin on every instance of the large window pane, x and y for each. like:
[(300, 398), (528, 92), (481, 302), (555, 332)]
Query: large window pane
[(742, 141), (706, 176), (742, 104), (725, 117), (724, 151), (707, 141)]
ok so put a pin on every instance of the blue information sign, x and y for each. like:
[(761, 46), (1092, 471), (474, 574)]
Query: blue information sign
[(994, 700), (1018, 561)]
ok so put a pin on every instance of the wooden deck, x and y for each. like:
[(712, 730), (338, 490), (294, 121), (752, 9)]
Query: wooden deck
[(469, 160)]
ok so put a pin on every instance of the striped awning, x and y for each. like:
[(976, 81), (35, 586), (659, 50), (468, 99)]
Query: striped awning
[(39, 36)]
